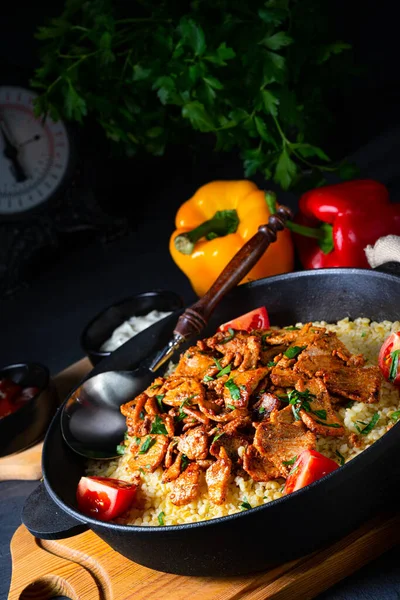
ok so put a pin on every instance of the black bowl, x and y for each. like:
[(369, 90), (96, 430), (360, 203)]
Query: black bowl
[(28, 424), (104, 323)]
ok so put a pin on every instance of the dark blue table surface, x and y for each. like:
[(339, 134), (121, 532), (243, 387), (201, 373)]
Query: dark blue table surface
[(44, 322)]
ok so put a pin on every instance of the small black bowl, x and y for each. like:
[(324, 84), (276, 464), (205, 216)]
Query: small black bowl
[(28, 424), (103, 324)]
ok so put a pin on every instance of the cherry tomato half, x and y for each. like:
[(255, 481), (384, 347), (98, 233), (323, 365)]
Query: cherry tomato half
[(309, 467), (255, 319), (389, 358), (104, 498)]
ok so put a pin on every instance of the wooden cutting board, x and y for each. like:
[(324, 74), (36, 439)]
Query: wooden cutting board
[(86, 568), (27, 464)]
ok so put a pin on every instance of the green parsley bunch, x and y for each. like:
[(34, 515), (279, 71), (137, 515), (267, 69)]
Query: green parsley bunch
[(250, 74)]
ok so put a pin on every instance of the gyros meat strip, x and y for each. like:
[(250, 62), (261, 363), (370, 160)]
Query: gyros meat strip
[(231, 444), (280, 442), (186, 487), (259, 467), (315, 409), (242, 350), (243, 385), (194, 443), (195, 363), (360, 384), (149, 453), (266, 403), (217, 477), (173, 471), (181, 390)]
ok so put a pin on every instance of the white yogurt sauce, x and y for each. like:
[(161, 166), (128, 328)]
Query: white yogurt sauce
[(130, 328)]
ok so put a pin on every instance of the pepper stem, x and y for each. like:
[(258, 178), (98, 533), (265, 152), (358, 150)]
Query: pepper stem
[(323, 234), (222, 223)]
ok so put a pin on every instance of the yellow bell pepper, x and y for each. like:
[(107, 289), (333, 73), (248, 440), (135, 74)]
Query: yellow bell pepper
[(215, 223)]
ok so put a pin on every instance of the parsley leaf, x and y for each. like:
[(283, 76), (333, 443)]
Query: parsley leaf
[(233, 389), (341, 458), (147, 444), (395, 416), (160, 518), (293, 351), (245, 505), (290, 462), (121, 449), (158, 426), (369, 427), (394, 365), (159, 398)]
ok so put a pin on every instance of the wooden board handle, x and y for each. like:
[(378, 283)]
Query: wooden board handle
[(39, 575)]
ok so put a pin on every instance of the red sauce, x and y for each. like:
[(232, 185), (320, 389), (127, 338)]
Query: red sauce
[(14, 396)]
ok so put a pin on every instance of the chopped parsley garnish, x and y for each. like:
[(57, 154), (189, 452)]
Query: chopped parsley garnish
[(126, 435), (293, 351), (349, 404), (340, 457), (245, 504), (321, 414), (369, 427), (136, 439), (289, 463), (185, 402), (395, 416), (299, 401), (147, 444), (271, 363), (159, 398), (292, 328), (233, 389), (217, 363), (120, 449), (155, 386), (261, 410), (225, 371), (231, 406), (158, 426), (141, 471), (230, 336), (184, 463), (364, 333), (265, 336), (216, 437), (141, 415), (208, 378), (335, 425), (160, 518), (394, 365)]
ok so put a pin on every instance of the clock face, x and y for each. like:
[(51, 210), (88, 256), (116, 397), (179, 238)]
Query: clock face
[(34, 156)]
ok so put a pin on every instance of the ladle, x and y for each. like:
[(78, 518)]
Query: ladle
[(91, 421)]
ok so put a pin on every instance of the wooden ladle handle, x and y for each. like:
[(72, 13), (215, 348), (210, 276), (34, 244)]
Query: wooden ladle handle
[(194, 319)]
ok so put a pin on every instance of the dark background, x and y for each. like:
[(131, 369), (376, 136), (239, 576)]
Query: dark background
[(122, 215)]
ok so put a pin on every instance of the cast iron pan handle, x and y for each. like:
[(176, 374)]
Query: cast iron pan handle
[(45, 520), (195, 318)]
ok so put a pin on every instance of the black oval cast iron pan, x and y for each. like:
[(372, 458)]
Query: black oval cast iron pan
[(282, 530)]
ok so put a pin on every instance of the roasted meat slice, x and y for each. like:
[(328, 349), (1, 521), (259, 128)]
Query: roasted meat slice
[(186, 487), (266, 403), (315, 409), (149, 453), (217, 477), (356, 383), (259, 467), (230, 442), (181, 391), (152, 390), (280, 442), (242, 350), (173, 471), (325, 354), (194, 443), (284, 377), (240, 386), (268, 354), (195, 363)]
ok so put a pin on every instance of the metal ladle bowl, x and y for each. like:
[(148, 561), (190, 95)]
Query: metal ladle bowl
[(91, 422)]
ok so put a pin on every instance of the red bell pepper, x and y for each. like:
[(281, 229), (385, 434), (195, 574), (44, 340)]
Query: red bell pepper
[(336, 222)]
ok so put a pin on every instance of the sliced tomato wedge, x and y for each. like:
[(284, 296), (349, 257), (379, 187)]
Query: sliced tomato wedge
[(255, 319), (389, 358), (104, 498), (309, 467)]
